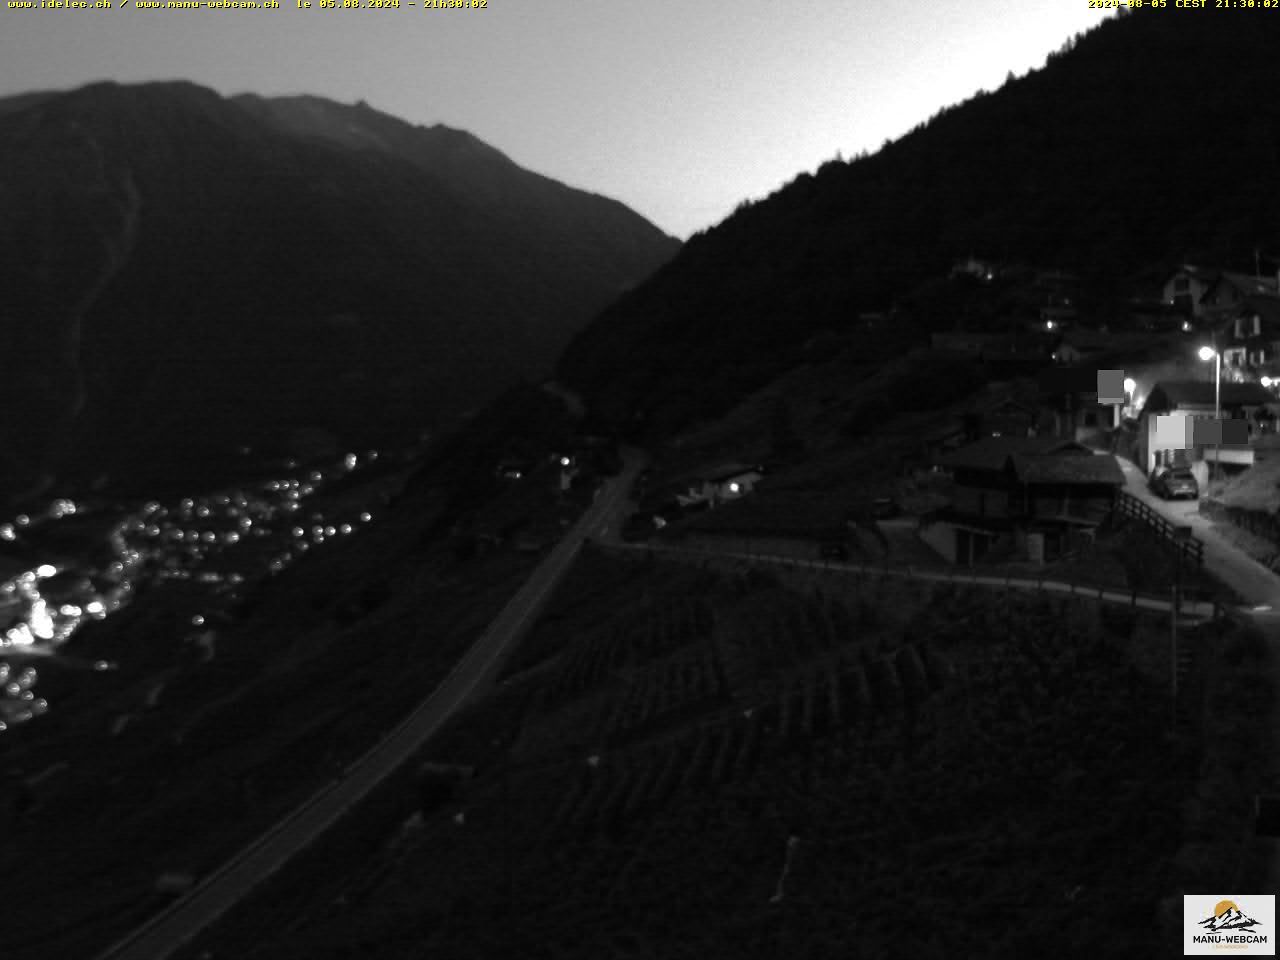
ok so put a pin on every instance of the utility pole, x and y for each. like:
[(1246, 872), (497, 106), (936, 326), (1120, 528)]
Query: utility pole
[(1173, 664)]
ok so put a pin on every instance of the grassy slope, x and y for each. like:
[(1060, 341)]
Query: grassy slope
[(1009, 774)]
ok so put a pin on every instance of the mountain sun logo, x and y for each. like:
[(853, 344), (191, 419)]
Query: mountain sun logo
[(1236, 925), (1227, 916)]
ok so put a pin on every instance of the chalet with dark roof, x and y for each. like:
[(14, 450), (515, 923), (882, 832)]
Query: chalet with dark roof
[(1185, 287), (1229, 290), (1028, 497)]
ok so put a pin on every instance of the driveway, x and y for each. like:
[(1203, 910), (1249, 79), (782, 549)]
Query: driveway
[(1255, 584)]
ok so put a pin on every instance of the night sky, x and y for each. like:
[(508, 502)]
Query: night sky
[(678, 109)]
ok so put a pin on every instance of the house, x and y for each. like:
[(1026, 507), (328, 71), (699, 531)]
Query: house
[(1250, 334), (1058, 317), (1106, 349), (1021, 497), (726, 482), (513, 469), (1084, 402), (1185, 287), (1167, 434), (971, 266), (1001, 417), (1157, 316), (1229, 290)]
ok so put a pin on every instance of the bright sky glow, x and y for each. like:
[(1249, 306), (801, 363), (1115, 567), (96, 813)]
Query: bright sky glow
[(679, 110)]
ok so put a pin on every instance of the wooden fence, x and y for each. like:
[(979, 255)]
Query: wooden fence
[(1192, 548)]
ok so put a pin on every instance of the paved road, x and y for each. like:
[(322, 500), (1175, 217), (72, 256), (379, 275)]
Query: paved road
[(1255, 583), (224, 888)]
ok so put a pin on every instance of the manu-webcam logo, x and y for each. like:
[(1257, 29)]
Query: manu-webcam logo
[(1241, 925)]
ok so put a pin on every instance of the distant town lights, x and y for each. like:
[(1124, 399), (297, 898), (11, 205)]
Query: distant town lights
[(1130, 385), (1207, 353), (45, 571), (1267, 381)]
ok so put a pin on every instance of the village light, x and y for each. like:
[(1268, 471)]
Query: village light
[(1267, 381), (1130, 385)]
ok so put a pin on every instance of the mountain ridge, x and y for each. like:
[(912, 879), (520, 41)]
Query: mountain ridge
[(168, 249)]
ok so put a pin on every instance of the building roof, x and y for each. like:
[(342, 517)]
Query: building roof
[(993, 453), (1172, 394), (1247, 284), (1199, 273), (1266, 307), (1067, 469)]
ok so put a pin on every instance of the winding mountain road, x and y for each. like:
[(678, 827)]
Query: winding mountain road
[(475, 672)]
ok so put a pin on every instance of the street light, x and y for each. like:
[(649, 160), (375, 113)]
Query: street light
[(1206, 354)]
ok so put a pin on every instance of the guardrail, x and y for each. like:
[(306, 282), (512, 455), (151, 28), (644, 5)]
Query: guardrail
[(1192, 548), (1192, 608)]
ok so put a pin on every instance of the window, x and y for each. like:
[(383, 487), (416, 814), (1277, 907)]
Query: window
[(1257, 325)]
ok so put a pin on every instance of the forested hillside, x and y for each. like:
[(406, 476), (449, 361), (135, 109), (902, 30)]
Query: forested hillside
[(1143, 143)]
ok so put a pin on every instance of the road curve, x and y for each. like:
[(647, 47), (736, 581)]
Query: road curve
[(224, 888)]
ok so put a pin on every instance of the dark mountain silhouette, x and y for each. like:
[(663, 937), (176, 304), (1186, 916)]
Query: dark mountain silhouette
[(1114, 161), (185, 275)]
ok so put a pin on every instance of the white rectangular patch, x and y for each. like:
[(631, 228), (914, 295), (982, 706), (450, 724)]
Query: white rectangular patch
[(1229, 925)]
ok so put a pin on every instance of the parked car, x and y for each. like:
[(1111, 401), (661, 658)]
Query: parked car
[(1171, 482)]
